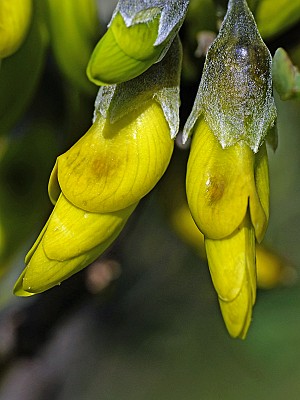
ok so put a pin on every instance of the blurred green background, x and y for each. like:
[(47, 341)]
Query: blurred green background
[(143, 321)]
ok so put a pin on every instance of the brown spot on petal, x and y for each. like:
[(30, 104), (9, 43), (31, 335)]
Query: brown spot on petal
[(104, 167), (215, 187)]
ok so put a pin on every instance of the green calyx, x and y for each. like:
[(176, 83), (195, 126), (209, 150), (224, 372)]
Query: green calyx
[(124, 52), (235, 93)]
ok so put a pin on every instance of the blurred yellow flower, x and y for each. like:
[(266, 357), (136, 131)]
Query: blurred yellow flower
[(15, 18)]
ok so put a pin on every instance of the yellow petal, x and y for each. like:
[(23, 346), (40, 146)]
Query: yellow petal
[(237, 314), (259, 205), (218, 183), (18, 288), (231, 260), (72, 231), (54, 189), (114, 165), (42, 273), (36, 243), (232, 266)]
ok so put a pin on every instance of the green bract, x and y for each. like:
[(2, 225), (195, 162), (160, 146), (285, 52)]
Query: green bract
[(235, 93), (139, 34)]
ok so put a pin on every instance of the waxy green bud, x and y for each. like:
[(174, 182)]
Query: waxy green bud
[(138, 36), (235, 93)]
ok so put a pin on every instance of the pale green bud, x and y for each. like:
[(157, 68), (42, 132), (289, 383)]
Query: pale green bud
[(138, 36)]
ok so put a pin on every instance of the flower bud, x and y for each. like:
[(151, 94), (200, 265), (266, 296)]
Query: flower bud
[(15, 17), (138, 36)]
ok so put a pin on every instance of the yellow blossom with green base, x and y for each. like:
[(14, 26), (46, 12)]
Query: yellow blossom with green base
[(99, 181), (227, 175), (228, 195)]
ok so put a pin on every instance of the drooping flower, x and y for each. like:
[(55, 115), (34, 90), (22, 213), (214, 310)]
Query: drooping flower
[(228, 195), (227, 175), (98, 182)]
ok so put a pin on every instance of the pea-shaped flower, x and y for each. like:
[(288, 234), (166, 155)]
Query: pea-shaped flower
[(138, 35), (15, 17), (227, 176), (97, 183)]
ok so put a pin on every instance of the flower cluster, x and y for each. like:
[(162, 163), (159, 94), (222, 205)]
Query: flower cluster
[(96, 185)]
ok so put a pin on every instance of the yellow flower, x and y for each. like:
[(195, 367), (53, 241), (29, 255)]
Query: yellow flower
[(15, 17), (228, 195), (272, 269), (115, 164), (98, 183), (227, 176)]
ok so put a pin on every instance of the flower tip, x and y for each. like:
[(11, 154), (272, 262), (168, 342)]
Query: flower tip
[(18, 288), (124, 52), (237, 316)]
